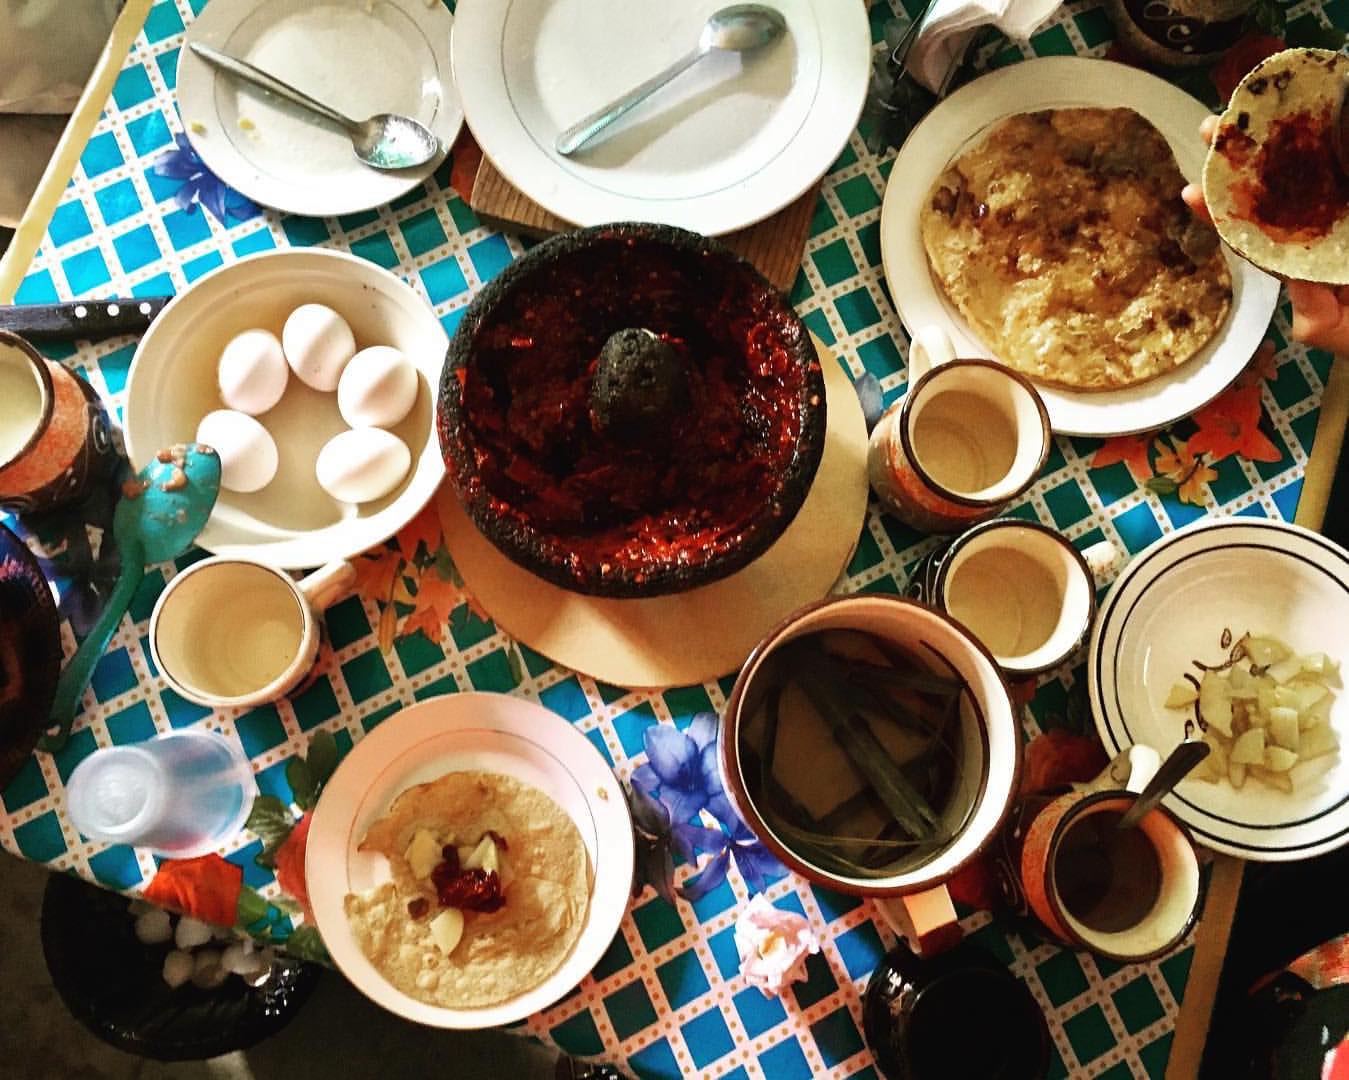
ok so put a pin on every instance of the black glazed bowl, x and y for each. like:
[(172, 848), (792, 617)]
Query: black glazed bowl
[(114, 985), (30, 653), (676, 504)]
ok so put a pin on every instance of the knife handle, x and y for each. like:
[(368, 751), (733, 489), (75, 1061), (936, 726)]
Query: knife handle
[(81, 318)]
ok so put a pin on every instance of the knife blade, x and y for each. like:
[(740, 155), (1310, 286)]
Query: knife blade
[(81, 318)]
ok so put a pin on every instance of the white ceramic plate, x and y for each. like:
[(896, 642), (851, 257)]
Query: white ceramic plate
[(961, 122), (449, 734), (725, 145), (362, 57), (292, 522), (1170, 606)]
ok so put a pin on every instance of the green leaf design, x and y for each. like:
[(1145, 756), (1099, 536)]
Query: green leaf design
[(302, 783), (272, 823), (252, 908), (322, 757), (1162, 485), (517, 669), (306, 943)]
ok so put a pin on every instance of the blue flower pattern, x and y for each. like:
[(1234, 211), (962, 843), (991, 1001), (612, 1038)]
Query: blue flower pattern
[(199, 186), (680, 781)]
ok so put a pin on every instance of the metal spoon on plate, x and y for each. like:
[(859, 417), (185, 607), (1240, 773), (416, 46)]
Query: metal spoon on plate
[(383, 141), (163, 509), (1177, 766), (738, 28)]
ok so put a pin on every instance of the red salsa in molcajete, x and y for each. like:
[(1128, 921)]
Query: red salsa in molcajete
[(633, 406)]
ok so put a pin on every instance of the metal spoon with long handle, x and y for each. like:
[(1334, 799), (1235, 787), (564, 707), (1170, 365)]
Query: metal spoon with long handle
[(1173, 770), (383, 141), (735, 29)]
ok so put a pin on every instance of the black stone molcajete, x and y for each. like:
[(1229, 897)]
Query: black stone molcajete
[(631, 410)]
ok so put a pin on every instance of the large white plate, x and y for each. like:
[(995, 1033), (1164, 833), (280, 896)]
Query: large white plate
[(362, 57), (448, 734), (1169, 607), (725, 145), (959, 123)]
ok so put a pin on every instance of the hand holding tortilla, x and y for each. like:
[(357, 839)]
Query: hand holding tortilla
[(489, 890), (1273, 182), (1320, 312)]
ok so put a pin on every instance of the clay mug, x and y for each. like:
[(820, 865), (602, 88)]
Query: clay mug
[(967, 439), (1128, 895), (54, 433)]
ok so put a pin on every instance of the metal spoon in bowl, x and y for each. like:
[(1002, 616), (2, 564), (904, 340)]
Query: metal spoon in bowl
[(1177, 766), (384, 141), (738, 28)]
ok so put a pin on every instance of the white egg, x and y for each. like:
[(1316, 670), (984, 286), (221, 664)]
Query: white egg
[(253, 372), (318, 344), (247, 450), (377, 388), (362, 464)]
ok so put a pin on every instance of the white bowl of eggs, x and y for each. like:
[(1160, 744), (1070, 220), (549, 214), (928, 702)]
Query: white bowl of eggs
[(312, 373)]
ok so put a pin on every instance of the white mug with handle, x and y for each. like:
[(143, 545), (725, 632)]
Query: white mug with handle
[(230, 632), (969, 437)]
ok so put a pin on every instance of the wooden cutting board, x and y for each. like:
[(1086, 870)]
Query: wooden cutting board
[(773, 245)]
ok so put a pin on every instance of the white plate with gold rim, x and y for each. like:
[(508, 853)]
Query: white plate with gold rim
[(496, 733), (724, 145), (1169, 607), (959, 123), (362, 57)]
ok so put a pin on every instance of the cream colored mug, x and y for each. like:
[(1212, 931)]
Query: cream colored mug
[(232, 632), (968, 438), (1020, 588)]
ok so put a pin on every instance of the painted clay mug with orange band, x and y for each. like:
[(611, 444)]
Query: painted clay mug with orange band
[(54, 433), (912, 894), (968, 438), (1129, 895)]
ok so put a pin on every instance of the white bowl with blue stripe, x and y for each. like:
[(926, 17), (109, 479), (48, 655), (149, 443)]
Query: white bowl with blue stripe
[(1170, 606)]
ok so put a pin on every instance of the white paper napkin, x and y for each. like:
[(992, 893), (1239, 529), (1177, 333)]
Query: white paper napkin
[(942, 40)]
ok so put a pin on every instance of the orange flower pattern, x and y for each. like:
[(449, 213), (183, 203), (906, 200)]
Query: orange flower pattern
[(1173, 466), (206, 888)]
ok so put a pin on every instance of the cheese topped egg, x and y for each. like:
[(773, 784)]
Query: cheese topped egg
[(318, 345), (362, 464), (377, 388), (248, 457), (252, 373)]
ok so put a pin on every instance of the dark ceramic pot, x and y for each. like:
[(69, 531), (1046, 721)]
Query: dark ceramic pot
[(30, 653), (612, 512), (959, 1015)]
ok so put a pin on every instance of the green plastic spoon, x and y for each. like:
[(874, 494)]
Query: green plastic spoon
[(163, 509)]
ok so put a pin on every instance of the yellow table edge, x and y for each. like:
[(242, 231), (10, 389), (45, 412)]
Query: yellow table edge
[(1214, 931)]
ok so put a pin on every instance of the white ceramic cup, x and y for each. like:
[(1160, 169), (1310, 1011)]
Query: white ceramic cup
[(234, 632), (967, 439), (1023, 590)]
